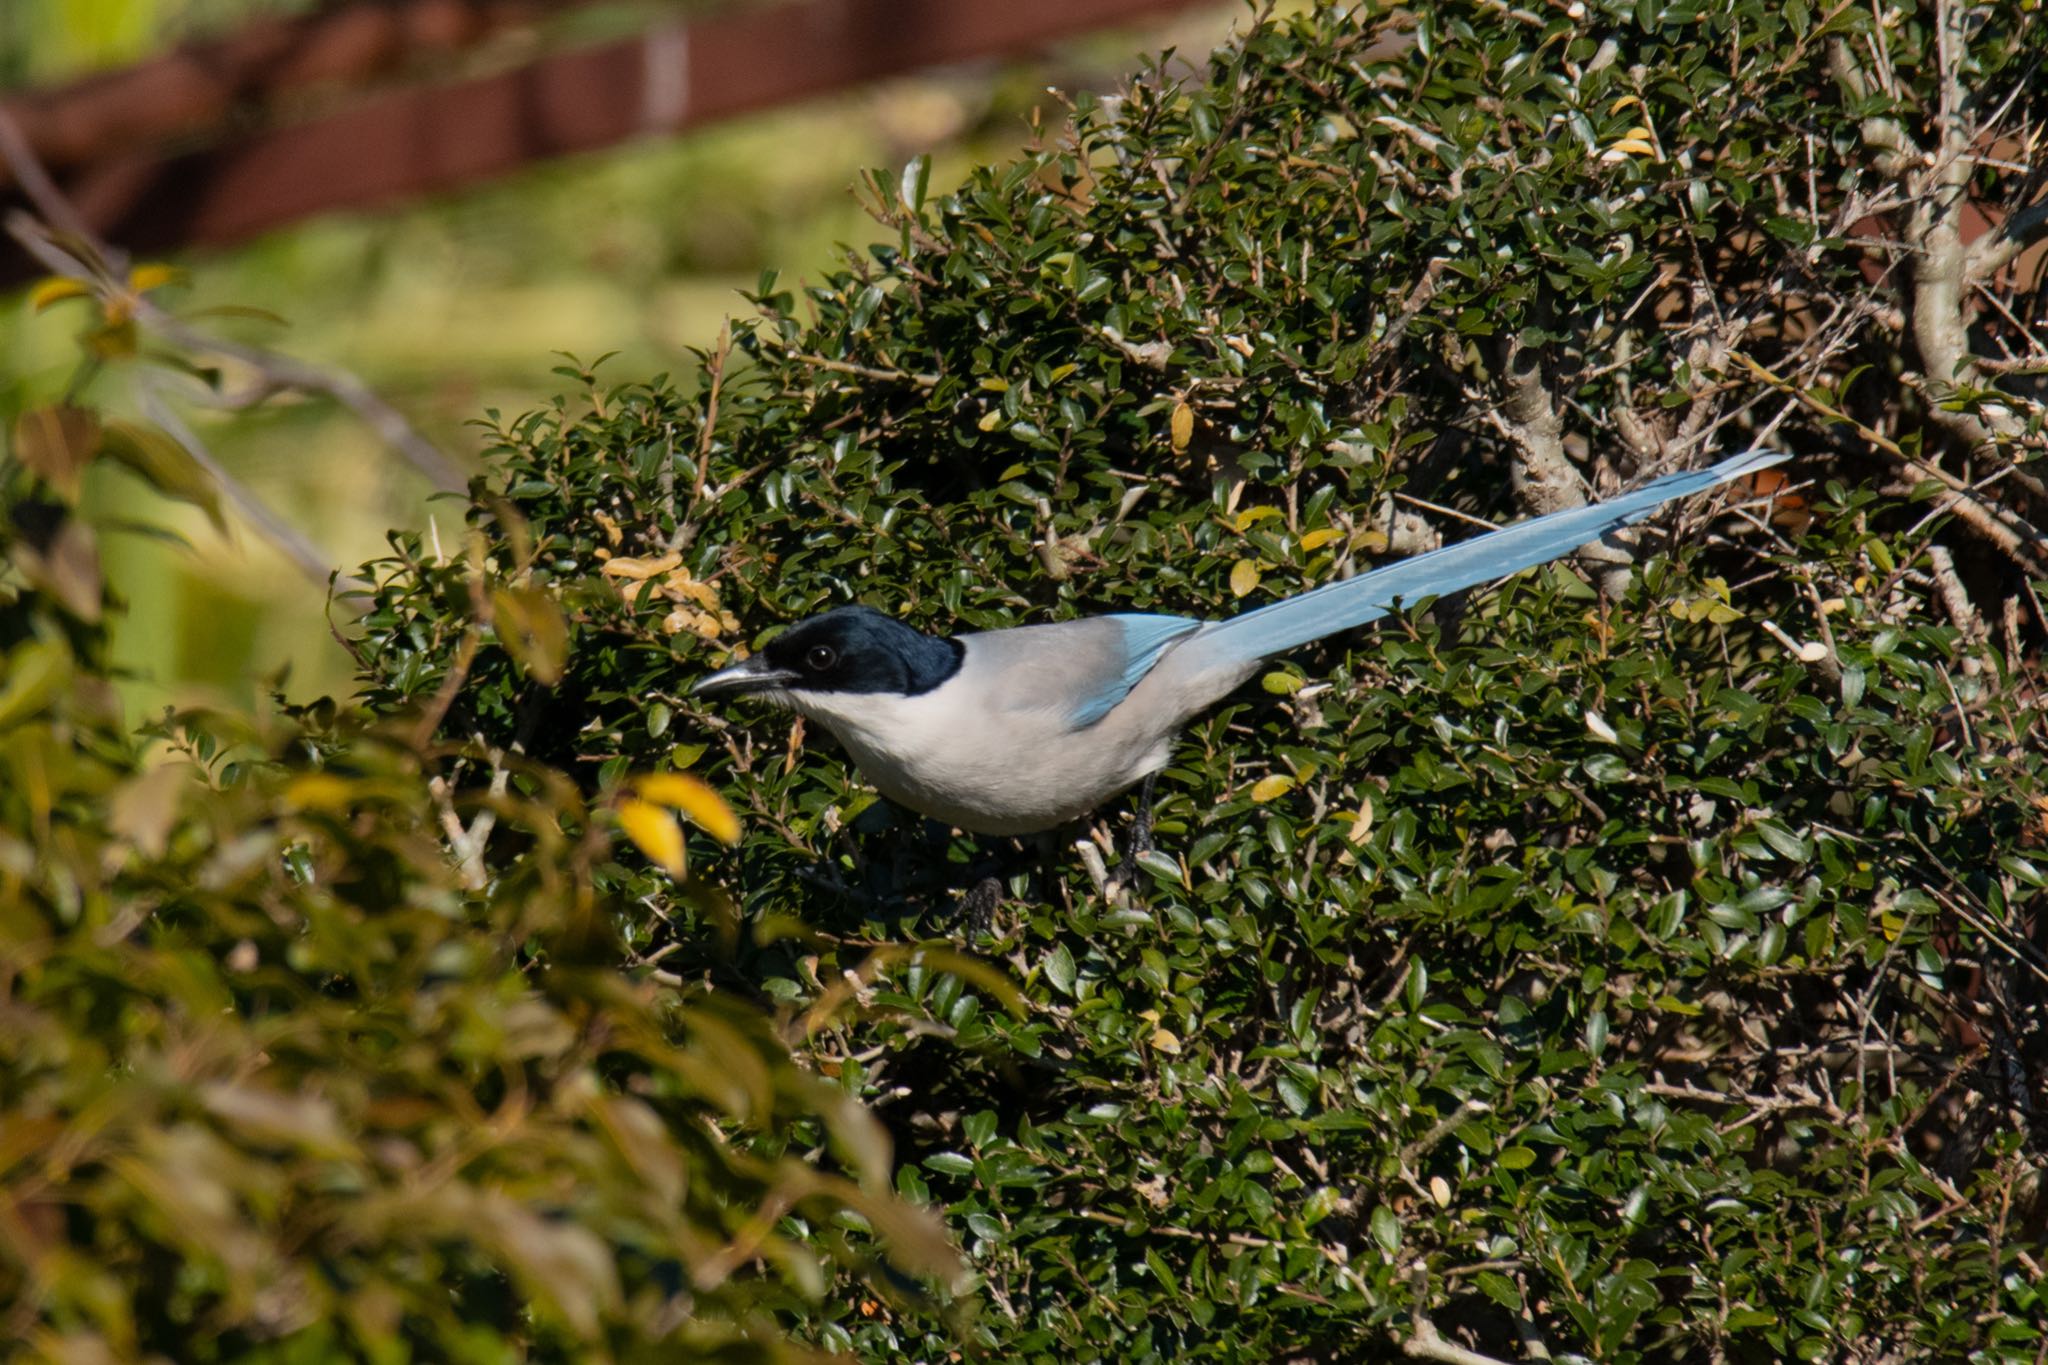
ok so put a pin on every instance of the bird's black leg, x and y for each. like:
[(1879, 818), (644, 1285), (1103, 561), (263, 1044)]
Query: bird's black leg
[(1141, 833), (1141, 824), (978, 906)]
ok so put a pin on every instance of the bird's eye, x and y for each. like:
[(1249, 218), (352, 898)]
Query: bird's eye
[(821, 658)]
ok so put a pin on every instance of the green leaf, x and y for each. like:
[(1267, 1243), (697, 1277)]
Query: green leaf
[(165, 464), (1059, 969)]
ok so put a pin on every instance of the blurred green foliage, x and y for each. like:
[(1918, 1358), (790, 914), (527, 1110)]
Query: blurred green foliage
[(286, 1074), (1648, 978)]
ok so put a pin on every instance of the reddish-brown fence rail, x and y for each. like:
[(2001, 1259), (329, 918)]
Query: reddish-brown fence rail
[(104, 137)]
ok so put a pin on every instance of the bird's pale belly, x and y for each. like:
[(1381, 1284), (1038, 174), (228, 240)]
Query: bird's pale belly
[(991, 771), (996, 798)]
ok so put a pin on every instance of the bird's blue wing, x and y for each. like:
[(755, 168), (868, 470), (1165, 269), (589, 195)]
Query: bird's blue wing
[(1482, 559), (1143, 640)]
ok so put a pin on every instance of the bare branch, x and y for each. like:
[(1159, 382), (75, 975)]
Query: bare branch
[(1896, 151), (1543, 477), (311, 561), (104, 268), (1957, 602), (1995, 251), (1427, 1344)]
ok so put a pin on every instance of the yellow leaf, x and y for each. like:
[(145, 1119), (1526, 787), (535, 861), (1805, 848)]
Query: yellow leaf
[(1624, 102), (1316, 540), (1252, 516), (1361, 824), (1635, 146), (680, 587), (1282, 684), (694, 798), (1272, 788), (995, 385), (991, 420), (532, 631), (1164, 1040), (1373, 542), (319, 791), (152, 275), (1244, 576), (1182, 426), (625, 566), (702, 624), (56, 289), (654, 832)]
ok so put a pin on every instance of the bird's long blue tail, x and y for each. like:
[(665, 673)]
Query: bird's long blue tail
[(1482, 559)]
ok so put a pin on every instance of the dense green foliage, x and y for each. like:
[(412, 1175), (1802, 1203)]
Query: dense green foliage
[(1650, 975), (1649, 971)]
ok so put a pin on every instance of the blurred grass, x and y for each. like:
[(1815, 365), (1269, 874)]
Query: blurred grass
[(464, 303)]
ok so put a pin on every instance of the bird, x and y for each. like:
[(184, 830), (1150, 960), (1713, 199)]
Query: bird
[(1021, 730)]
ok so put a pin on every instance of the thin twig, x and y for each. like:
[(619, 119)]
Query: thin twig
[(685, 528), (277, 369), (923, 381), (289, 541), (2021, 541)]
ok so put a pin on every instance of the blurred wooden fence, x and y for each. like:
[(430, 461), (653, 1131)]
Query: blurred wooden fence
[(292, 117)]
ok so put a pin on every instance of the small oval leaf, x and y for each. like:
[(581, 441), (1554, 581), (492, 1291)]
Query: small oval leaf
[(655, 833), (695, 798), (1273, 787)]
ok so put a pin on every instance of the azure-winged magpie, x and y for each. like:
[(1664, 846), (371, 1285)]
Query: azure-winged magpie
[(1016, 731)]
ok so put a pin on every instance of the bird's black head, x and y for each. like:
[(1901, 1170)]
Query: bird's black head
[(847, 649)]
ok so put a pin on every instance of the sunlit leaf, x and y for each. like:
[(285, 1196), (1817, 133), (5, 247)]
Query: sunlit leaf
[(694, 798), (531, 627), (654, 832), (147, 275), (1272, 787), (56, 289)]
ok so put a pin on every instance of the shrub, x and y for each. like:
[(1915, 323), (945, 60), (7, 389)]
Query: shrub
[(1648, 972)]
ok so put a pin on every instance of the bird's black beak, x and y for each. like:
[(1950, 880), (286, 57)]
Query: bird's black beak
[(752, 675)]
